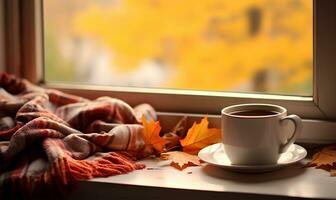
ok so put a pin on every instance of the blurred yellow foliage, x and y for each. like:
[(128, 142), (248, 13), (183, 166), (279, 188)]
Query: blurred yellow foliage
[(212, 44)]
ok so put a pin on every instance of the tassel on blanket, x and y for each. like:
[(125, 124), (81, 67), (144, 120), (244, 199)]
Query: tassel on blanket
[(69, 170)]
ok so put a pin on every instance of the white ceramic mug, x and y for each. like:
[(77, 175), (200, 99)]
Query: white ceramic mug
[(255, 134)]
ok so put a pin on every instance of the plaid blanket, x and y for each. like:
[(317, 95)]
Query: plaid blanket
[(49, 139)]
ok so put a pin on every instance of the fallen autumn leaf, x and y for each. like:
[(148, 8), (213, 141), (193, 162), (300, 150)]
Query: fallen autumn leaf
[(151, 134), (181, 160), (325, 159), (200, 136)]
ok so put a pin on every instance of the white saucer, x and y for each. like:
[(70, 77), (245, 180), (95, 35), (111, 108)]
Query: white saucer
[(215, 155)]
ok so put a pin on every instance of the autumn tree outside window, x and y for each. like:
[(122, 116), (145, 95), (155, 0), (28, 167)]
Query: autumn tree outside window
[(238, 46)]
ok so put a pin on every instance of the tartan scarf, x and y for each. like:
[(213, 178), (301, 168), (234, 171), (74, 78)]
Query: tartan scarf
[(52, 139)]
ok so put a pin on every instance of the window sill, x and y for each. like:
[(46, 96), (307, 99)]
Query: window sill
[(207, 182)]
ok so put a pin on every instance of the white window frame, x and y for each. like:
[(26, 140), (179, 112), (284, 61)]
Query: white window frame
[(24, 57)]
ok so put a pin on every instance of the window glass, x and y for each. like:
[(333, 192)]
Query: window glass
[(257, 46)]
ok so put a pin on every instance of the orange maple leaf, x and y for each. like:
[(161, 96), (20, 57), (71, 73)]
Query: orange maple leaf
[(151, 134), (200, 136), (181, 160), (325, 159)]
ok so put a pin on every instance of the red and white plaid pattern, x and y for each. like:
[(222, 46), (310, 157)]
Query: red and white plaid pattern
[(49, 139)]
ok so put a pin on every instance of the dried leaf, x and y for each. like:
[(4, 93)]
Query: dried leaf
[(173, 138), (325, 159), (200, 136), (181, 160), (151, 134), (180, 127)]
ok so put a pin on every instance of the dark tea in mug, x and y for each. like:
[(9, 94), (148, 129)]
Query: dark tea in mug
[(254, 113)]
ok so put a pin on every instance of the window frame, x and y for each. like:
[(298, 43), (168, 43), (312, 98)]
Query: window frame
[(24, 58)]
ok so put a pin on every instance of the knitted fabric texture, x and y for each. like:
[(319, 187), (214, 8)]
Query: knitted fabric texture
[(49, 138)]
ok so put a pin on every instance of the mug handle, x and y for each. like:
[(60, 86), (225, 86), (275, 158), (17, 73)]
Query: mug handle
[(297, 129)]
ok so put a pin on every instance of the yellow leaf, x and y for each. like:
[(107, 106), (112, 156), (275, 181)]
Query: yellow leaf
[(200, 136), (181, 160), (325, 159), (151, 134)]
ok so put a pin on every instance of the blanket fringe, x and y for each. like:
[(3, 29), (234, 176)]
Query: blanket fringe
[(67, 170)]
